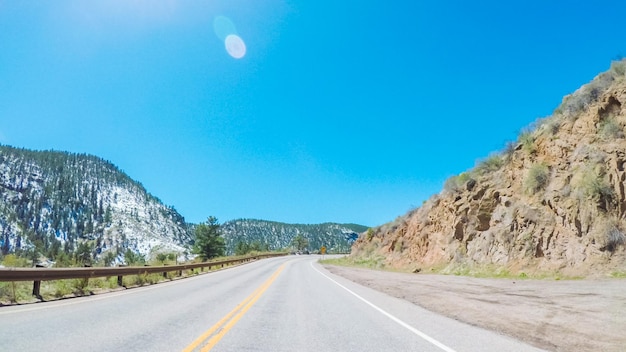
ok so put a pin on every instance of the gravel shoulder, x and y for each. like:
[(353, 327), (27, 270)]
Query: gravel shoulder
[(570, 315)]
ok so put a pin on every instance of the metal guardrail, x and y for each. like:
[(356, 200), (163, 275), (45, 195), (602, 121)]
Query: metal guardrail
[(46, 274)]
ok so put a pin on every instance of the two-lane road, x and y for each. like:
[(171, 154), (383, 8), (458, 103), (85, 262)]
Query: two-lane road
[(279, 304)]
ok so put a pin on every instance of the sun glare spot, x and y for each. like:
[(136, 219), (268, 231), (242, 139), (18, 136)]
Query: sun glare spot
[(223, 27), (235, 46)]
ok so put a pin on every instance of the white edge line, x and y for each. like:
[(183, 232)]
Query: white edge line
[(388, 315)]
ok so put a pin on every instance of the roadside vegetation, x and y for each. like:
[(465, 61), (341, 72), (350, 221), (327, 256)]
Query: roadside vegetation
[(208, 246), (476, 271), (374, 262)]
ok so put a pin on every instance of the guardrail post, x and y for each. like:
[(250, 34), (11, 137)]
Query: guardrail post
[(165, 272), (36, 288), (86, 279), (37, 285), (119, 277)]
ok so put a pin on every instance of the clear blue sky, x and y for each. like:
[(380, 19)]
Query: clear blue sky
[(344, 111)]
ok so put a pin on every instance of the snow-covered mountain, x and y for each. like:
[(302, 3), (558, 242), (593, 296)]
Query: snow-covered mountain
[(54, 202), (277, 235)]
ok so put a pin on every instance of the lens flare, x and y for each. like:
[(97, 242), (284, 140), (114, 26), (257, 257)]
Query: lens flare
[(223, 26), (235, 46)]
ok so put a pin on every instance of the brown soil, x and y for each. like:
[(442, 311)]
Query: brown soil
[(572, 315)]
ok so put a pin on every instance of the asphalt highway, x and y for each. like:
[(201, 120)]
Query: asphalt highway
[(279, 304)]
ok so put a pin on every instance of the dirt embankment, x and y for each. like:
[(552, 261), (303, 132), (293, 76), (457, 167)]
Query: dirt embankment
[(572, 315)]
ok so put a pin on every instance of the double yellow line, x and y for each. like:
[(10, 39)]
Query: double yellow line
[(230, 319)]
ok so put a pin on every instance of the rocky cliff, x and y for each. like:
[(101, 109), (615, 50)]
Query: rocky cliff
[(554, 201)]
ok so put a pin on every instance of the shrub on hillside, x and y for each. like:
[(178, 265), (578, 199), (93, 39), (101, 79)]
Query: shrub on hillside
[(619, 67), (610, 129), (537, 178), (609, 234), (509, 150), (13, 261), (527, 140), (492, 163), (458, 182), (551, 125), (587, 94), (591, 183), (614, 238)]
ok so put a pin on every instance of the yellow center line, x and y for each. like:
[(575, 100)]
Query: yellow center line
[(208, 333), (226, 323)]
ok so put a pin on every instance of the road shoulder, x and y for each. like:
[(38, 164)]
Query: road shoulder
[(553, 315)]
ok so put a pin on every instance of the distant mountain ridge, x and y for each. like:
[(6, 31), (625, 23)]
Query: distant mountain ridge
[(53, 202), (277, 235)]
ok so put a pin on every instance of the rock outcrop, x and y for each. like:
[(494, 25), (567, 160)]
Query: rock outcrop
[(553, 202)]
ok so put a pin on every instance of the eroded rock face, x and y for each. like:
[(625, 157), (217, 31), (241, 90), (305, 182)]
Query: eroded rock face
[(555, 202)]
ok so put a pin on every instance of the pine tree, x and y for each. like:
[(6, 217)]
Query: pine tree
[(208, 242), (241, 248), (300, 242), (83, 254)]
